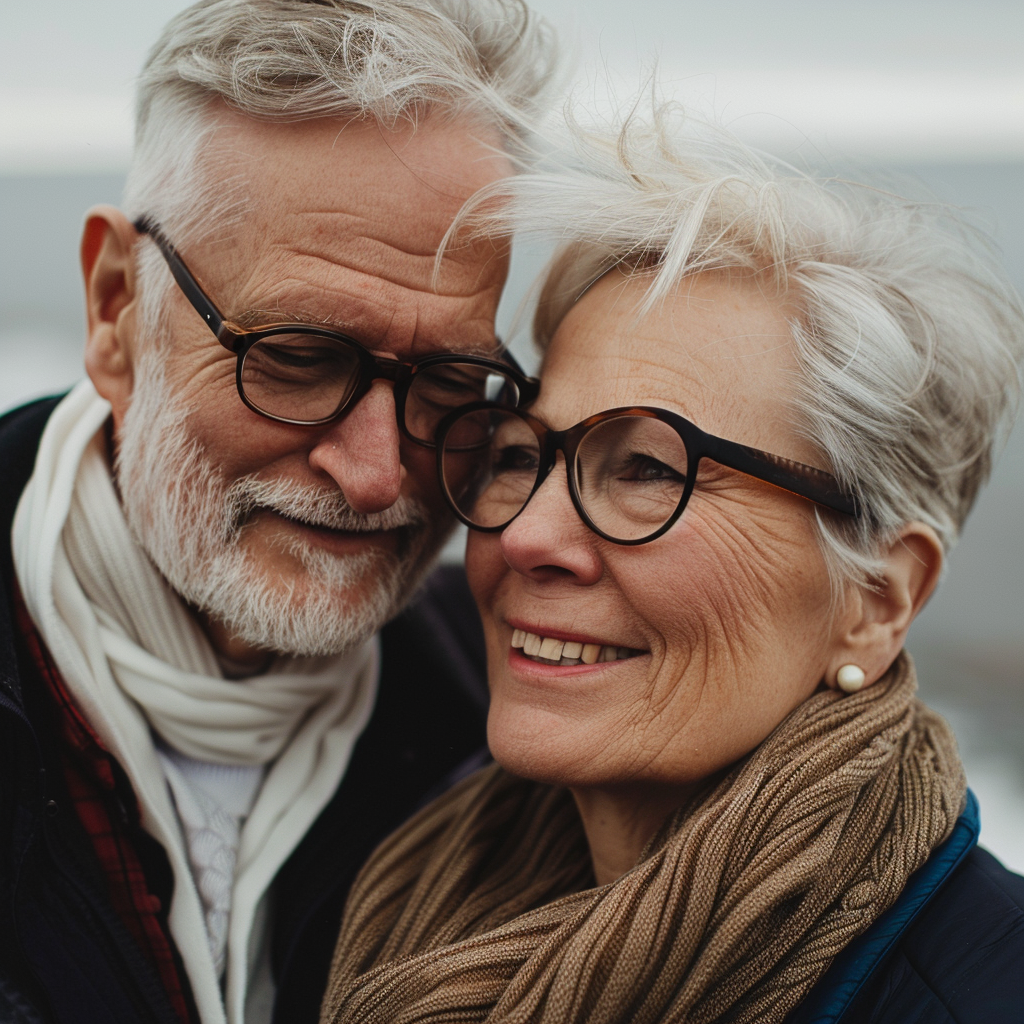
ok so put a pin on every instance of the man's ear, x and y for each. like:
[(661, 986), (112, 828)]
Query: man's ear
[(873, 625), (108, 267)]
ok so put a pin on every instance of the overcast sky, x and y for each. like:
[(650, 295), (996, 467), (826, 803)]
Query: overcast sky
[(881, 80)]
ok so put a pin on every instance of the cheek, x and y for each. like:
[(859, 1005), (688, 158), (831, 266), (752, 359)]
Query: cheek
[(202, 383), (235, 440), (420, 480), (485, 569), (756, 573), (740, 618)]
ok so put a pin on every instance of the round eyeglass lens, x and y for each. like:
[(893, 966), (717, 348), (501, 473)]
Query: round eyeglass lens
[(437, 389), (302, 377), (630, 475), (489, 464)]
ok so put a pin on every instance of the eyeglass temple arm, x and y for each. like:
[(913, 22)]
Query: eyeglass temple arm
[(806, 481), (183, 276)]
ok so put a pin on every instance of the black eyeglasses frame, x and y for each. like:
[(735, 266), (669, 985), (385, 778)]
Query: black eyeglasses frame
[(802, 480), (238, 341)]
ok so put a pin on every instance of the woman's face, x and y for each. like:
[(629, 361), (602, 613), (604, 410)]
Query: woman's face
[(724, 621)]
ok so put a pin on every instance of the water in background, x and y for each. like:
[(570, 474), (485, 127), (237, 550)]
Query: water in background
[(969, 641)]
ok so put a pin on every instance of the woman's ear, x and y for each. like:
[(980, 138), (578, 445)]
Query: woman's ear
[(108, 266), (873, 626)]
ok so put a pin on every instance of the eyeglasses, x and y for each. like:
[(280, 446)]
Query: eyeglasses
[(307, 375), (631, 471)]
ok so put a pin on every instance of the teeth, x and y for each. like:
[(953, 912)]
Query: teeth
[(567, 652), (551, 649)]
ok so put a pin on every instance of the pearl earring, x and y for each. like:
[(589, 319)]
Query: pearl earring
[(850, 678)]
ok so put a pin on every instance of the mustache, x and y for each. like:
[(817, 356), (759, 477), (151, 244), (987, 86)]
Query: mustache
[(315, 506)]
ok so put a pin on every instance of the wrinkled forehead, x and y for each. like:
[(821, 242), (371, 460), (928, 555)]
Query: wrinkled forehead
[(719, 350), (337, 215), (407, 182)]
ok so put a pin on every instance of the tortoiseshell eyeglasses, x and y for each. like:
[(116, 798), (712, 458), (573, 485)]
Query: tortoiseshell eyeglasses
[(631, 470), (309, 375)]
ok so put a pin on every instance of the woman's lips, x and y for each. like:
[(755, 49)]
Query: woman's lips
[(548, 650)]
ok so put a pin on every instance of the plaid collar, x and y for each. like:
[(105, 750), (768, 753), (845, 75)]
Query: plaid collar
[(109, 813)]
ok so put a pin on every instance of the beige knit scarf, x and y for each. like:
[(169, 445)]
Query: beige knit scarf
[(479, 908)]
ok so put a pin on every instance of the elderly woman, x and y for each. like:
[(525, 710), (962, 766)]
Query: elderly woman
[(767, 406)]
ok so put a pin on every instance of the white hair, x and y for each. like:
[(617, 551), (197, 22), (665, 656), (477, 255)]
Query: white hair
[(908, 336), (295, 60)]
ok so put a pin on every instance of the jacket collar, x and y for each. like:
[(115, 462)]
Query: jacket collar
[(836, 991), (20, 431)]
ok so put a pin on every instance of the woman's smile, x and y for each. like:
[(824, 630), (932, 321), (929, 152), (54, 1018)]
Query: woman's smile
[(552, 648), (614, 662)]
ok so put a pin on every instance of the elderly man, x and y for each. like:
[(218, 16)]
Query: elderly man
[(204, 727)]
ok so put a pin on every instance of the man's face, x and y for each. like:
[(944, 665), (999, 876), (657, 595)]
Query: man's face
[(343, 223)]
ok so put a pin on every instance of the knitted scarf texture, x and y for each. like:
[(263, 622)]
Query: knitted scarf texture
[(482, 907)]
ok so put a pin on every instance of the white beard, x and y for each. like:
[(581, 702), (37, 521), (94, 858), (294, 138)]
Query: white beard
[(190, 521)]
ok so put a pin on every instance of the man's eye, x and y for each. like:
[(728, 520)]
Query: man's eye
[(299, 357), (458, 385), (446, 378), (297, 361)]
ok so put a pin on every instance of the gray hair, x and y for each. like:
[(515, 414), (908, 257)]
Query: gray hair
[(294, 60), (908, 336)]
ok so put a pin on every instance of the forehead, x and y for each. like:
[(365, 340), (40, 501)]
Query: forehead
[(342, 222), (719, 350)]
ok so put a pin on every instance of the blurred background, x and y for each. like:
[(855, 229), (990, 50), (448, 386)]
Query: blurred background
[(931, 95)]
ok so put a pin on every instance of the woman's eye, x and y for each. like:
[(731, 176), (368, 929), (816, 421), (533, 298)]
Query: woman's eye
[(511, 458), (645, 467)]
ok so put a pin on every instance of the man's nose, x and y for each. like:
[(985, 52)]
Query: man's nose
[(360, 451)]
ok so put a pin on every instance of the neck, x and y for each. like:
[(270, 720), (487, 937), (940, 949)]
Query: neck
[(620, 822), (237, 657)]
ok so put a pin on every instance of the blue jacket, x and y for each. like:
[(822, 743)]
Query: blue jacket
[(950, 951)]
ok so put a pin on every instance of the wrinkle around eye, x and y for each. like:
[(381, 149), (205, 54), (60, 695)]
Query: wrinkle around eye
[(730, 546)]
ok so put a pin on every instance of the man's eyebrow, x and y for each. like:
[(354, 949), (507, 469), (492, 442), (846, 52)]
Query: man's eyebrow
[(253, 319), (250, 319)]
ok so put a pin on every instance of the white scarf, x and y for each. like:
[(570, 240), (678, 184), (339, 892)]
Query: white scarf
[(134, 658)]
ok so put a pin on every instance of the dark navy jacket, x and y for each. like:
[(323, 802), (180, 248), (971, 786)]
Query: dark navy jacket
[(65, 956), (950, 951)]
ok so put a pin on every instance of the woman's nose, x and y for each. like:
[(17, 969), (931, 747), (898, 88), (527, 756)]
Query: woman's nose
[(361, 451), (548, 540)]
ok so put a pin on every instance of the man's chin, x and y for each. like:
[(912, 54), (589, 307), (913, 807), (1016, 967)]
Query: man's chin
[(317, 604), (307, 620)]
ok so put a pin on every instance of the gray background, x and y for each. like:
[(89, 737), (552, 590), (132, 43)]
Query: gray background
[(933, 93)]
